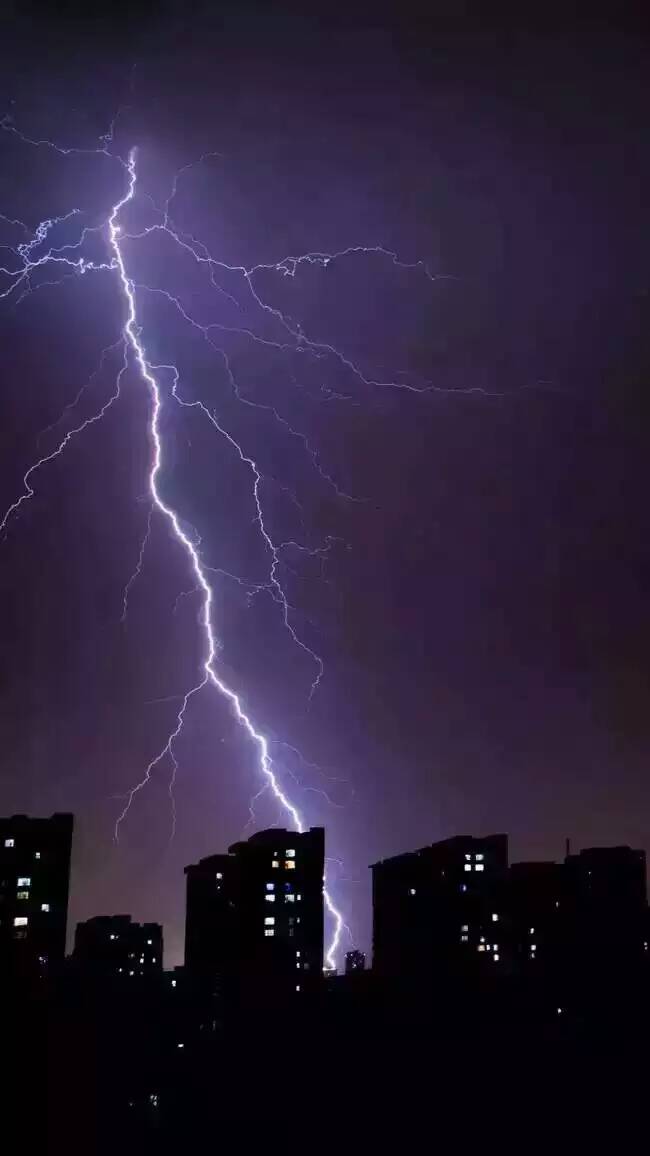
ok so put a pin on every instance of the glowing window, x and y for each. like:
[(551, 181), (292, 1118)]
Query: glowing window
[(10, 842), (481, 947), (268, 931), (468, 857), (131, 973), (559, 1011), (465, 927), (270, 898), (23, 881), (21, 921), (275, 863), (112, 935), (45, 907), (290, 854), (22, 895), (269, 920), (482, 939), (297, 987), (479, 858), (149, 942), (411, 890), (297, 955), (468, 866), (37, 854), (173, 983), (495, 917), (219, 874), (479, 867), (298, 898), (463, 887), (290, 865), (270, 887), (464, 938), (119, 970), (288, 898), (495, 957), (180, 1045), (532, 930), (533, 947), (298, 966), (153, 959)]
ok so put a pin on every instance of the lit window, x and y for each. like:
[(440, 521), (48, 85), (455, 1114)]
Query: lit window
[(271, 898), (465, 927), (37, 854), (482, 939), (268, 931), (10, 842), (288, 898), (269, 920), (20, 921), (45, 907), (481, 947), (275, 863), (557, 904), (495, 917), (463, 887), (290, 865), (495, 957), (480, 858), (411, 890), (297, 987), (153, 959), (149, 942), (180, 1045), (219, 874), (533, 947), (559, 1011), (173, 983), (119, 970), (131, 973), (532, 930), (496, 947), (468, 857), (22, 895), (23, 881), (297, 955), (488, 947), (468, 866), (112, 935), (290, 854), (298, 898), (298, 966), (270, 887), (479, 867), (464, 938)]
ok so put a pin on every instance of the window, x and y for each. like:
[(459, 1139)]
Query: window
[(479, 858), (153, 959), (290, 864), (269, 920), (464, 938), (10, 842), (275, 863), (22, 895), (482, 939), (297, 955), (131, 973), (465, 927), (290, 854), (268, 931), (297, 987), (270, 887), (481, 947), (463, 887), (149, 942), (270, 898), (468, 866), (411, 890), (219, 875), (23, 881), (298, 965), (495, 957), (495, 917), (479, 867), (468, 857), (533, 947), (37, 854), (288, 898), (298, 898), (20, 921), (45, 907), (173, 983), (532, 930)]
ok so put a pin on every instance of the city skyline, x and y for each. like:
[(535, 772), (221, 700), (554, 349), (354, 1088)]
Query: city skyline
[(466, 556)]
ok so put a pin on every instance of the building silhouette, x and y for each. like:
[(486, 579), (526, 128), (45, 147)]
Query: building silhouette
[(254, 918), (441, 908), (34, 888), (113, 947), (355, 961)]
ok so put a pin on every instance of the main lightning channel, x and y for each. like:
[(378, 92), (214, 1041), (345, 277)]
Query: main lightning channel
[(131, 332)]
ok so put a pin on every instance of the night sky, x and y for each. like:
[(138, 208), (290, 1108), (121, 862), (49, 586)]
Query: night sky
[(481, 607)]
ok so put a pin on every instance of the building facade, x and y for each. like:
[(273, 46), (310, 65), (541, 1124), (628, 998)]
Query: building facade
[(113, 947), (254, 917), (440, 908), (34, 888)]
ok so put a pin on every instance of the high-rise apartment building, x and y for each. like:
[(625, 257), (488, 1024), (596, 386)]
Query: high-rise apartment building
[(34, 887), (254, 920), (113, 947)]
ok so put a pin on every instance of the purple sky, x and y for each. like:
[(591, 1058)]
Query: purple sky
[(482, 612)]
